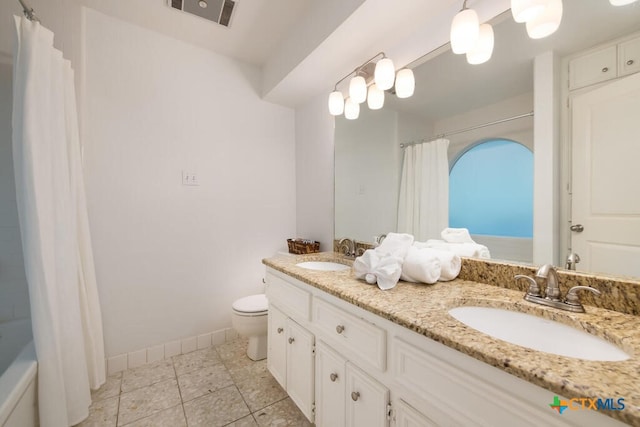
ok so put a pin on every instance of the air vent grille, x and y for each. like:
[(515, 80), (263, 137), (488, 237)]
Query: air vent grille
[(218, 11)]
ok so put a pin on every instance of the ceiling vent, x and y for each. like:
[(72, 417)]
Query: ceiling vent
[(218, 11)]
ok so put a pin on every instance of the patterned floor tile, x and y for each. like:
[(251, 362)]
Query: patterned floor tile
[(196, 360), (261, 391), (244, 369), (247, 421), (109, 389), (216, 409), (146, 375), (147, 401), (203, 381), (281, 414), (233, 349), (172, 417), (103, 413)]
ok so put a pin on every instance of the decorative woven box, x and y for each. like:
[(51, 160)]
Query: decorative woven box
[(303, 246)]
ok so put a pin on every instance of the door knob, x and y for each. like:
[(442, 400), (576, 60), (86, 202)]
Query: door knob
[(280, 330), (578, 228), (291, 340), (333, 377), (355, 395), (339, 329)]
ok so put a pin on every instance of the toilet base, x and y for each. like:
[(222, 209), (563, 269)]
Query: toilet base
[(257, 348)]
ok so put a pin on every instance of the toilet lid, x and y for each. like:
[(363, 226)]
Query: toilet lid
[(252, 304)]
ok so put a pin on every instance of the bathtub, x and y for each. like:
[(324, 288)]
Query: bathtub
[(18, 369)]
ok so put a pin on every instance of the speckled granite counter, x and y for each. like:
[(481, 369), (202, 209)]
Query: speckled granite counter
[(424, 309)]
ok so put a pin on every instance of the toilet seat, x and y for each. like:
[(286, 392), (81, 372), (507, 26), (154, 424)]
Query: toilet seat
[(253, 305)]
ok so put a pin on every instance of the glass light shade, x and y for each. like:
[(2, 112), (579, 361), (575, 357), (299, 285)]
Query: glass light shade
[(405, 83), (336, 103), (547, 22), (526, 10), (465, 29), (385, 74), (621, 2), (375, 97), (351, 109), (483, 49), (358, 89)]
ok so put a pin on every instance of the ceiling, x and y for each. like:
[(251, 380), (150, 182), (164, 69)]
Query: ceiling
[(446, 85)]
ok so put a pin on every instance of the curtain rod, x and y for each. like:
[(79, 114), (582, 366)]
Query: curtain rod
[(455, 132), (29, 13)]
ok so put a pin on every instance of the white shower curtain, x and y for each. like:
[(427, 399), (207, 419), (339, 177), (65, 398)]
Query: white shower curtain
[(423, 205), (65, 311)]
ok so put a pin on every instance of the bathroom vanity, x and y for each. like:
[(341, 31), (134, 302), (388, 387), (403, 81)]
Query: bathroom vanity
[(350, 354)]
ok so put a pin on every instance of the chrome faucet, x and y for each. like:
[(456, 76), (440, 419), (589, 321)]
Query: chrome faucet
[(547, 274), (572, 260), (347, 247)]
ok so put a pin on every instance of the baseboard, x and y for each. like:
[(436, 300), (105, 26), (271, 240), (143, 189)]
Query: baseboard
[(167, 350)]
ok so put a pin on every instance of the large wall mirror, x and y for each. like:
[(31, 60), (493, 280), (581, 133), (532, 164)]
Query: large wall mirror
[(481, 109)]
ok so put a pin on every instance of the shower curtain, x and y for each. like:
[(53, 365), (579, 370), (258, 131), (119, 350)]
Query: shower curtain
[(423, 205), (65, 311)]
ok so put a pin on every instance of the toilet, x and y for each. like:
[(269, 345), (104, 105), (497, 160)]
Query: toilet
[(249, 319)]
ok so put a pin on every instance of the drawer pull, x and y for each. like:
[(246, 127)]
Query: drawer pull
[(630, 62), (339, 329), (291, 340), (280, 330), (605, 69), (333, 377), (355, 395)]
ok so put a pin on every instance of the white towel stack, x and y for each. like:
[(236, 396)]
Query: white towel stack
[(383, 265), (421, 266)]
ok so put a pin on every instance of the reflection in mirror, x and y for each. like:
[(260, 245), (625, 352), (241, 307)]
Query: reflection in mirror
[(452, 96)]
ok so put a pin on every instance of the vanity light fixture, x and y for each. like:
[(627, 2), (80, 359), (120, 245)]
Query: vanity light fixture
[(351, 109), (465, 30), (368, 82), (547, 22), (483, 48), (621, 2), (526, 10)]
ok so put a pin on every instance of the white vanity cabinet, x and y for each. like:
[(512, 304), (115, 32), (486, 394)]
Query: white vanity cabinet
[(345, 394), (291, 347)]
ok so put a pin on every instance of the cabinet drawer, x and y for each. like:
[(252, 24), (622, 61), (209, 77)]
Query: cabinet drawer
[(292, 300), (593, 68), (629, 57), (352, 335)]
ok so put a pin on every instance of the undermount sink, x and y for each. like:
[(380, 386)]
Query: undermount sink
[(538, 333), (323, 266)]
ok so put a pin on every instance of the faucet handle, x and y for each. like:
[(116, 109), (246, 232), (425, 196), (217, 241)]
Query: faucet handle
[(572, 295), (534, 289)]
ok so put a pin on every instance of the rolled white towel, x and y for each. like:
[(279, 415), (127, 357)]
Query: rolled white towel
[(456, 235), (450, 265), (421, 266), (395, 244), (470, 250), (385, 270)]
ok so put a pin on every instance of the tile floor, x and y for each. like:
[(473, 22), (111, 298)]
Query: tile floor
[(217, 386)]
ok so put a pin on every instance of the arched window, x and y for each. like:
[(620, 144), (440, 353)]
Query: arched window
[(491, 189)]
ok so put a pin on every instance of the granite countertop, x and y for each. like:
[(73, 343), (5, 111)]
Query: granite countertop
[(424, 309)]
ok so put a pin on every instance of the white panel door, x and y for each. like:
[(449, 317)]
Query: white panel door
[(300, 367), (330, 387), (367, 399), (407, 416), (277, 345), (606, 177)]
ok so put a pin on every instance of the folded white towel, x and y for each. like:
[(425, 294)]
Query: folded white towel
[(421, 266), (471, 250), (385, 270), (395, 244), (456, 235), (450, 264)]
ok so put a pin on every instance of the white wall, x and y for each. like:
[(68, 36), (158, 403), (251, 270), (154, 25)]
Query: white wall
[(171, 259), (14, 294), (314, 136)]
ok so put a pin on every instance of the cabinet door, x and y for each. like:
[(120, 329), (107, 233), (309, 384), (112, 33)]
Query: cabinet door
[(629, 57), (407, 416), (277, 345), (367, 399), (593, 68), (330, 387), (300, 367)]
